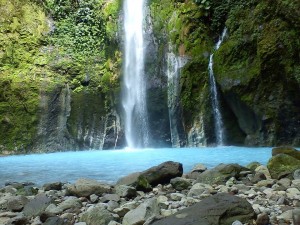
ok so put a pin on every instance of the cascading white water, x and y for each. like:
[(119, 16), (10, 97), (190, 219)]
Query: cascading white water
[(174, 63), (219, 131), (134, 87)]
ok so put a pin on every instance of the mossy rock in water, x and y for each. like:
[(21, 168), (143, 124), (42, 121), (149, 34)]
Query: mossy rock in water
[(282, 164), (286, 150)]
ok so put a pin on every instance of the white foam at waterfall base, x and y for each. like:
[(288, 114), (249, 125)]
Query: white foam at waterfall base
[(108, 166)]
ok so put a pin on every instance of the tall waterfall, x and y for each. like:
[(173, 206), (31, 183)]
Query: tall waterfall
[(174, 64), (134, 87), (219, 131)]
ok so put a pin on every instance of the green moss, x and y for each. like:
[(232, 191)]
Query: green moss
[(33, 59), (19, 105), (282, 164)]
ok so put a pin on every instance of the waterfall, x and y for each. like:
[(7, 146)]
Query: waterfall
[(219, 131), (134, 85), (174, 63)]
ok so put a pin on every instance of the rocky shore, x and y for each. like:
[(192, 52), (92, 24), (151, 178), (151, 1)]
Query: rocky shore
[(228, 194)]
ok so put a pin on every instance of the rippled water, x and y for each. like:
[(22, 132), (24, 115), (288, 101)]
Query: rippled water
[(109, 166)]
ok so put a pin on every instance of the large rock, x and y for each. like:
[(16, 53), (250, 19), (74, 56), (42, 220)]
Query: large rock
[(70, 203), (180, 183), (36, 206), (163, 173), (282, 164), (97, 216), (148, 209), (220, 174), (129, 180), (220, 209), (85, 187), (16, 203), (199, 189), (54, 220), (286, 150), (160, 174), (196, 171), (18, 220), (125, 191), (52, 186)]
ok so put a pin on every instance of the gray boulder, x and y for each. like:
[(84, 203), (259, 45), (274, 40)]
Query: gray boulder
[(16, 203), (53, 209), (96, 216), (52, 186), (147, 210), (70, 203), (18, 220), (220, 174), (199, 188), (263, 219), (160, 174), (85, 187), (163, 173), (196, 171), (36, 206), (296, 174), (180, 183), (220, 209), (110, 197), (125, 191), (129, 180), (54, 220), (296, 216)]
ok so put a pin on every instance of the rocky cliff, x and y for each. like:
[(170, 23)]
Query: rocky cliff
[(256, 67), (61, 62)]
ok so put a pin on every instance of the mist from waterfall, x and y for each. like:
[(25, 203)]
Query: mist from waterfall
[(134, 84), (219, 128)]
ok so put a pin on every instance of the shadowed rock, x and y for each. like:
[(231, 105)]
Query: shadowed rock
[(36, 206), (220, 209), (160, 174)]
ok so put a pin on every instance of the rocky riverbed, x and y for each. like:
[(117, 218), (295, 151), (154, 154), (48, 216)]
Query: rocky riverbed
[(163, 195)]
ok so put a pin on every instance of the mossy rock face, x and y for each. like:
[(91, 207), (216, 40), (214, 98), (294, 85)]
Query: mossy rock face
[(39, 55), (257, 67), (286, 150), (282, 164)]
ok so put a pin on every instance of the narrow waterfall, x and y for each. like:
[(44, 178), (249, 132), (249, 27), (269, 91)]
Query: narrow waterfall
[(174, 63), (219, 131), (134, 85)]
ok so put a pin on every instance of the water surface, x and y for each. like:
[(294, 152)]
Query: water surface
[(109, 166)]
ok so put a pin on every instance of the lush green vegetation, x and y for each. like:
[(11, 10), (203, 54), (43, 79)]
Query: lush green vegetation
[(51, 43), (44, 44)]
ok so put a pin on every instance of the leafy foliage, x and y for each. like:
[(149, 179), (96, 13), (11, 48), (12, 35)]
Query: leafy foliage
[(48, 43)]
